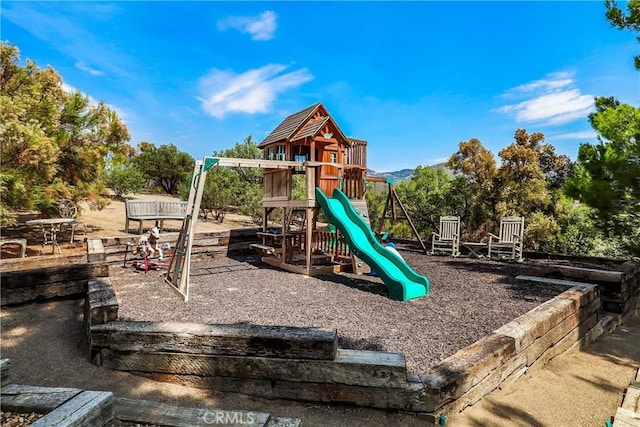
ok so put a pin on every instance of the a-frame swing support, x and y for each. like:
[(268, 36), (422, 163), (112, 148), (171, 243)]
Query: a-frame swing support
[(180, 264), (391, 212)]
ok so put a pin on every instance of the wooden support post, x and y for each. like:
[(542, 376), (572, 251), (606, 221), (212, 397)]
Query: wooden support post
[(310, 177)]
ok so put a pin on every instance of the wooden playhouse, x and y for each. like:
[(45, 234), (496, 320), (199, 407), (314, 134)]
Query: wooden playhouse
[(327, 159)]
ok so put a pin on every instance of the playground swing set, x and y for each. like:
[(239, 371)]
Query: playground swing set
[(332, 164)]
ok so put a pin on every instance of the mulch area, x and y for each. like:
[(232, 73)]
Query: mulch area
[(469, 299)]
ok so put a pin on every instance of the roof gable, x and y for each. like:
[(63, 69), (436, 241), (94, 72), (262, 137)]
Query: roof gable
[(303, 124), (288, 127)]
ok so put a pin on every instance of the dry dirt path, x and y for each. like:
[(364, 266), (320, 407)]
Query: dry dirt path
[(579, 389)]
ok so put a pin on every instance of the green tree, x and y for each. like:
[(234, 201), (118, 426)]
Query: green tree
[(220, 192), (376, 197), (166, 166), (620, 20), (608, 172), (54, 144), (430, 193), (235, 187), (579, 233), (124, 179), (528, 183), (522, 183), (478, 165)]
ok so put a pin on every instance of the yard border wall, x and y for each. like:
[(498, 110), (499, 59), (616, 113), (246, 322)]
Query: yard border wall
[(305, 363), (363, 378), (209, 243), (77, 407)]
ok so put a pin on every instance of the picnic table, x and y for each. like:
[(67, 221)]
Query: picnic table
[(50, 228)]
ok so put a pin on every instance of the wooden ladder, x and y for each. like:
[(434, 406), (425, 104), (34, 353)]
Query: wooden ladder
[(176, 273)]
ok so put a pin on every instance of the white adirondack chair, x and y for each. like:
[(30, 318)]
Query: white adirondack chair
[(509, 243), (447, 240)]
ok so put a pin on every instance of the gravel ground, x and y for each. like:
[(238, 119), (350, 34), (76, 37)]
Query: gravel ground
[(18, 419), (469, 298)]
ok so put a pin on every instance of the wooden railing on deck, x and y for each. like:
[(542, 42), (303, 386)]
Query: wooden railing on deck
[(331, 243), (353, 185)]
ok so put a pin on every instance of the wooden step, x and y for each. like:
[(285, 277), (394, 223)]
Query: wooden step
[(26, 398), (94, 408), (285, 342), (147, 412), (263, 250), (352, 367)]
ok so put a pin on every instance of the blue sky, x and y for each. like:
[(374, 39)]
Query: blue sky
[(412, 78)]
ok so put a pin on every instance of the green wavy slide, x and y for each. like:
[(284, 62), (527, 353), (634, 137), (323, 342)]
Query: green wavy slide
[(402, 282)]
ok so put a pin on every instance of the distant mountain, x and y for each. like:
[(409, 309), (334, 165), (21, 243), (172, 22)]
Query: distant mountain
[(404, 174), (396, 176)]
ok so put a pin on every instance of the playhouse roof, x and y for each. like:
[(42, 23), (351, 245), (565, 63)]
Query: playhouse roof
[(305, 123)]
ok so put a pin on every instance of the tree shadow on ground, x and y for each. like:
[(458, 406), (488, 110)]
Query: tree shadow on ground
[(48, 346), (511, 416)]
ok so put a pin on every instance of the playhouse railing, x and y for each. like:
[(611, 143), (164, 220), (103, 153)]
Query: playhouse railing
[(353, 182), (331, 243)]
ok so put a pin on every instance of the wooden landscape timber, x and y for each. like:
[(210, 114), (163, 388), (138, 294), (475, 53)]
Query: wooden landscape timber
[(147, 412), (523, 345), (30, 284), (410, 398), (225, 358), (87, 408), (210, 243), (95, 250), (33, 262), (351, 367), (618, 281), (63, 406), (628, 414), (101, 304), (26, 398), (5, 364), (285, 342)]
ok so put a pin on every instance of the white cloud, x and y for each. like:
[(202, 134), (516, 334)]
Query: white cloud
[(585, 134), (552, 82), (262, 27), (555, 101), (66, 26), (250, 92), (84, 67)]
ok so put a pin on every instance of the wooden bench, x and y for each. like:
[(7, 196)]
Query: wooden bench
[(21, 242), (153, 210), (263, 250)]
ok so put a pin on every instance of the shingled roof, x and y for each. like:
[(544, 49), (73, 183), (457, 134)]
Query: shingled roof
[(297, 125)]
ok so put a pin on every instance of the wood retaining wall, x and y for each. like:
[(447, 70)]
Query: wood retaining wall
[(306, 363), (210, 243), (628, 414), (44, 277), (618, 281), (63, 406)]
